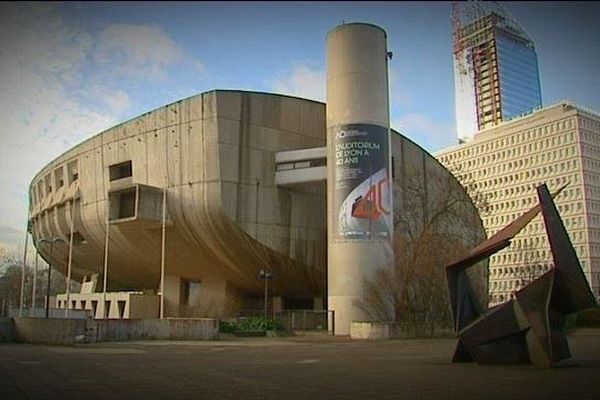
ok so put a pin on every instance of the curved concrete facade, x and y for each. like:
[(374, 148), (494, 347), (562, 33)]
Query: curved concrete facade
[(215, 155), (218, 156)]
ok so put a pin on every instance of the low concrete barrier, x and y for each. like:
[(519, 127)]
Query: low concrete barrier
[(72, 331), (7, 330), (50, 330), (369, 330), (166, 329), (401, 330)]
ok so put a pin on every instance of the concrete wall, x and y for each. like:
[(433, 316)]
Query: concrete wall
[(71, 331), (50, 331), (166, 329), (143, 306)]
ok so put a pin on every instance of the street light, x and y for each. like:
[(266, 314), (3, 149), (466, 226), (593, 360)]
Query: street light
[(265, 275), (51, 241)]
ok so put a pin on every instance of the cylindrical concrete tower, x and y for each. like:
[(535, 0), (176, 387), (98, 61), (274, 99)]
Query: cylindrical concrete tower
[(359, 199)]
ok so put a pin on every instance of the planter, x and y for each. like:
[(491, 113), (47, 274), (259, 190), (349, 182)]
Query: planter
[(369, 330)]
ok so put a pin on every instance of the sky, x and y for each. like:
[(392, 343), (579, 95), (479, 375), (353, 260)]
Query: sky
[(71, 70)]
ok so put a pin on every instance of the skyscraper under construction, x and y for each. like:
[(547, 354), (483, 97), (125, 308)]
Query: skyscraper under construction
[(495, 68)]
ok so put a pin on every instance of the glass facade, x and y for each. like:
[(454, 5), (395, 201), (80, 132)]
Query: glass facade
[(496, 74), (518, 75)]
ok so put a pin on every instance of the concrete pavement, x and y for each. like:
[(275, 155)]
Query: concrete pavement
[(286, 368)]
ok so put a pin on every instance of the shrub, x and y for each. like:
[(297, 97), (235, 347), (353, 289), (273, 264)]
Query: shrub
[(248, 324)]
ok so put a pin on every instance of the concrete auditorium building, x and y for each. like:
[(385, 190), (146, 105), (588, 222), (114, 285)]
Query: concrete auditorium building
[(192, 200)]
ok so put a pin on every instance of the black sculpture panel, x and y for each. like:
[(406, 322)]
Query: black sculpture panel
[(528, 329)]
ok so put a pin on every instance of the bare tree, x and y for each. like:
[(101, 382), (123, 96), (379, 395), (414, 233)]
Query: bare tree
[(10, 282), (435, 222), (479, 198)]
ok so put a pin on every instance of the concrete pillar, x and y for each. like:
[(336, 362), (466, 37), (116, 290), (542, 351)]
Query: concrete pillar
[(359, 201), (218, 298), (172, 295)]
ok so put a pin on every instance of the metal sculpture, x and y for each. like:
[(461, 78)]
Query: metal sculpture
[(529, 328)]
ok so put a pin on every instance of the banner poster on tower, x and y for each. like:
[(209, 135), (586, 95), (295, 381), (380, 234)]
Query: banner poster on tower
[(362, 194)]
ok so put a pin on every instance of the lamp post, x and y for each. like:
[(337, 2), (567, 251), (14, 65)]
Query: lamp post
[(265, 275), (51, 241)]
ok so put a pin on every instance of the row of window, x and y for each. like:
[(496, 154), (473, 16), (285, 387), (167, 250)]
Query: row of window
[(592, 164), (494, 223), (526, 202), (544, 167), (592, 192), (317, 162), (524, 269), (521, 158), (69, 173), (65, 174), (534, 176), (589, 123), (594, 220), (526, 136), (590, 150)]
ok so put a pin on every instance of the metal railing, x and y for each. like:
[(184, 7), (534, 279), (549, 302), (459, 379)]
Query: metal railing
[(297, 321), (303, 321)]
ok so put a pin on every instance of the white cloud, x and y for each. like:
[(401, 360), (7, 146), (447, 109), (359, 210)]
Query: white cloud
[(302, 81), (59, 85), (41, 63), (425, 131), (141, 51), (116, 100)]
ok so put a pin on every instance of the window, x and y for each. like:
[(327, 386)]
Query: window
[(72, 171), (120, 171), (78, 239), (127, 204), (59, 177), (48, 183), (123, 204)]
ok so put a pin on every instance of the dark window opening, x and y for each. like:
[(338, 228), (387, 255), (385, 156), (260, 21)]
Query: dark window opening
[(298, 304), (121, 304), (123, 204), (120, 171), (185, 297), (72, 171), (106, 308), (127, 204), (78, 238), (318, 162)]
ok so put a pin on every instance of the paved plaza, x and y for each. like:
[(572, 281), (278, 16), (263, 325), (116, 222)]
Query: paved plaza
[(309, 367)]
